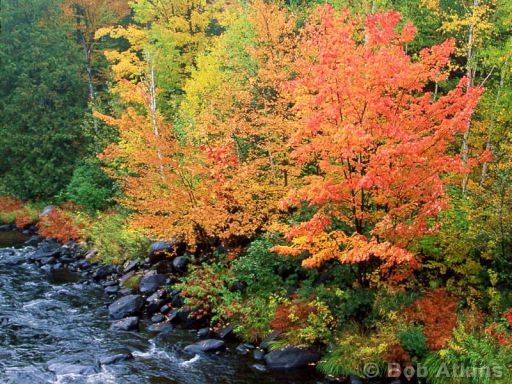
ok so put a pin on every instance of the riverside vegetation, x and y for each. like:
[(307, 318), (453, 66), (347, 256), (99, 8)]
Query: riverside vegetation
[(328, 180)]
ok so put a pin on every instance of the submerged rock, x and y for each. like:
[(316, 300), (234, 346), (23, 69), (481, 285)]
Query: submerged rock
[(76, 369), (116, 358)]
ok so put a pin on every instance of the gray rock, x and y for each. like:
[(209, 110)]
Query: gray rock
[(160, 328), (225, 332), (208, 345), (157, 318), (149, 284), (116, 358), (258, 354), (127, 324), (180, 263), (130, 266), (203, 333), (125, 306), (104, 272), (290, 357)]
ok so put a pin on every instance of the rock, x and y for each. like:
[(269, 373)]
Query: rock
[(83, 264), (243, 349), (126, 291), (111, 290), (355, 380), (265, 344), (130, 266), (76, 369), (47, 210), (180, 264), (225, 332), (290, 357), (153, 307), (259, 367), (203, 333), (47, 260), (157, 318), (4, 321), (116, 358), (149, 284), (160, 249), (127, 324), (160, 328), (123, 279), (126, 306), (104, 272), (6, 228), (33, 241), (258, 354), (208, 345), (90, 254), (46, 249), (165, 309)]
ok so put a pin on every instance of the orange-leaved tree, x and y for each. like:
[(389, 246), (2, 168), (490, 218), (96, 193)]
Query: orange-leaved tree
[(375, 142)]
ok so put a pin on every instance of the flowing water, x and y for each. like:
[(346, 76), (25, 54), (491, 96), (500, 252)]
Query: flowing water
[(54, 318)]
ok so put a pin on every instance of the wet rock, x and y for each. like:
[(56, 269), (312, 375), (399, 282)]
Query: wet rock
[(180, 264), (203, 333), (33, 241), (225, 332), (76, 369), (259, 367), (111, 290), (130, 266), (160, 249), (47, 260), (290, 357), (108, 360), (165, 309), (127, 324), (160, 328), (126, 291), (157, 318), (83, 264), (6, 228), (258, 354), (149, 284), (355, 380), (244, 348), (4, 321), (46, 249), (104, 272), (208, 345), (125, 306), (123, 279), (265, 344), (90, 253)]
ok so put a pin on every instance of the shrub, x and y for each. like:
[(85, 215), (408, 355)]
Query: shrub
[(303, 322), (60, 225), (114, 241), (413, 340), (437, 313), (469, 358), (90, 187), (206, 291)]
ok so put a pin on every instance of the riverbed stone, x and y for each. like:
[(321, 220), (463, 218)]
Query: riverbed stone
[(149, 284), (120, 357), (203, 333), (125, 306), (103, 272), (157, 318), (290, 357), (225, 332), (208, 345), (128, 324)]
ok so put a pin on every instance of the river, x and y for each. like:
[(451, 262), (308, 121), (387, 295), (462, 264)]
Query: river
[(54, 319)]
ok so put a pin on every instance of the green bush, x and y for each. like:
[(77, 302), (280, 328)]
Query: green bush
[(413, 340), (90, 187), (469, 358), (113, 240)]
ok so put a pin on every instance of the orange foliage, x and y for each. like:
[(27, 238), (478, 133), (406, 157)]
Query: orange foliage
[(11, 205), (373, 140), (292, 316), (58, 224), (437, 312)]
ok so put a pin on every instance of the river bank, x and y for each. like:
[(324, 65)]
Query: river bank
[(58, 327)]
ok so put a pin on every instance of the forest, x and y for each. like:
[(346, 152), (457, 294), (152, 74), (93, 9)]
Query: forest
[(337, 174)]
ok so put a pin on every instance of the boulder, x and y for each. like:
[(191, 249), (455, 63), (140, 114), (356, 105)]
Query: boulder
[(103, 272), (160, 249), (225, 332), (208, 345), (203, 333), (130, 266), (265, 344), (46, 249), (47, 210), (149, 284), (180, 264), (33, 241), (125, 306), (258, 354), (160, 328), (290, 357), (157, 318), (128, 324)]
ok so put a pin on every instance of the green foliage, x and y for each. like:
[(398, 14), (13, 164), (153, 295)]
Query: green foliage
[(42, 100), (265, 272), (473, 354), (90, 187), (413, 340), (114, 242)]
